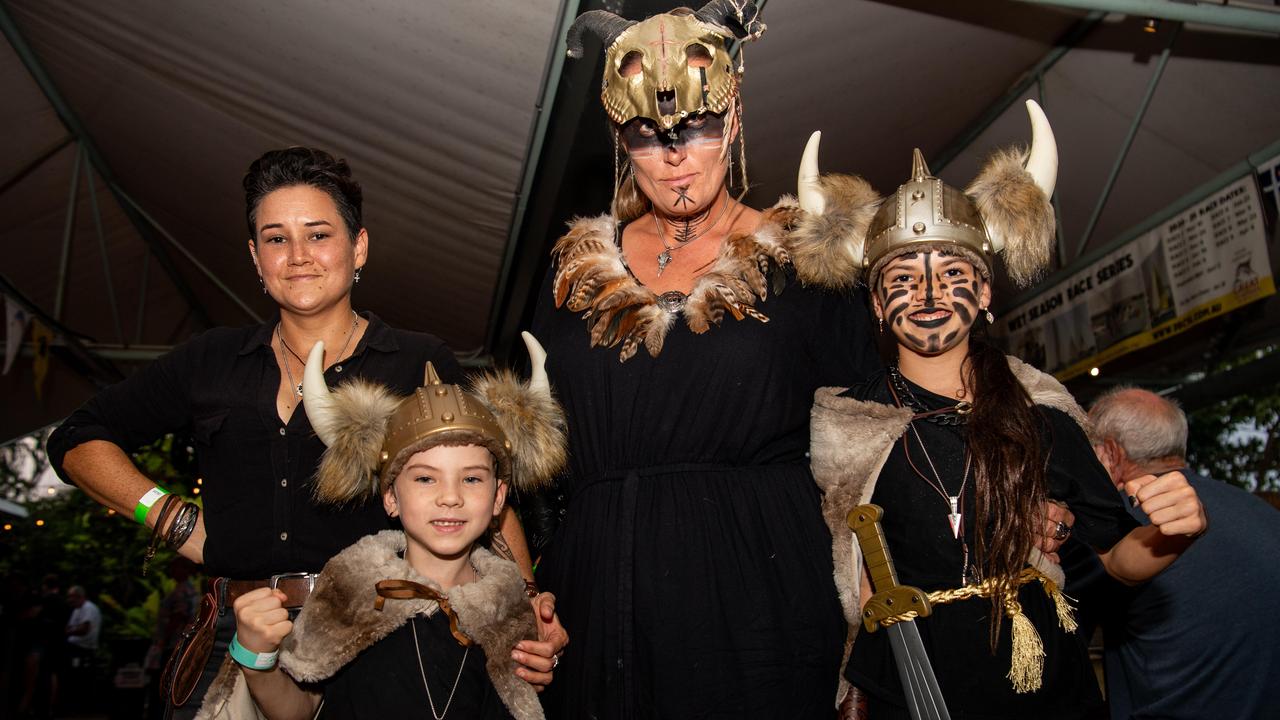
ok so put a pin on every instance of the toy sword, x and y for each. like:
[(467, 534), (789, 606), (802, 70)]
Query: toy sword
[(924, 699)]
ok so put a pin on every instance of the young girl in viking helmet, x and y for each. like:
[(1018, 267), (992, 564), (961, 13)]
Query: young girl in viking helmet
[(425, 618), (960, 446)]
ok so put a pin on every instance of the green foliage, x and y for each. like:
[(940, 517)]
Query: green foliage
[(86, 544), (1238, 439)]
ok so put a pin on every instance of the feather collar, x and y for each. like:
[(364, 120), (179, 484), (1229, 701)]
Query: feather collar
[(592, 278)]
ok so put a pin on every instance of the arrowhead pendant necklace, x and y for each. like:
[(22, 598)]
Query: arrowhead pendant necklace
[(956, 517)]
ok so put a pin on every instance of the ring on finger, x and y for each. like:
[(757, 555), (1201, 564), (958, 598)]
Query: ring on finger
[(555, 661), (1061, 531)]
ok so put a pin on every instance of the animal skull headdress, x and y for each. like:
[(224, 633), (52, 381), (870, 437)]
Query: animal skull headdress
[(684, 67), (370, 433), (1005, 210)]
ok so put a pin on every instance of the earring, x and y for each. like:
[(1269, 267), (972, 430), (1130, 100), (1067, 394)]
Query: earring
[(263, 283), (357, 276), (990, 318), (881, 319)]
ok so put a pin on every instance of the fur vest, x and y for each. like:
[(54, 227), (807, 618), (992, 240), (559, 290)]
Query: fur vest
[(592, 276), (850, 442), (339, 621)]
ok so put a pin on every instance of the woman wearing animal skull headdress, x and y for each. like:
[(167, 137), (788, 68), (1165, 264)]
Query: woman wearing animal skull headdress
[(690, 567), (959, 445)]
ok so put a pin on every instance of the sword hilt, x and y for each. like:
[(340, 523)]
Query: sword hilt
[(890, 599)]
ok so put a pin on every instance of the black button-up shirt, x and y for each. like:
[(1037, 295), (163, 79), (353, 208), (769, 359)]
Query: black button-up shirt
[(220, 388)]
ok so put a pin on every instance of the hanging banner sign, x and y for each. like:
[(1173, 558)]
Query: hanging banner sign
[(1204, 262)]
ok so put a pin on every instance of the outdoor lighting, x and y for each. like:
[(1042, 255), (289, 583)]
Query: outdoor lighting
[(110, 511), (195, 491), (50, 491), (1151, 25), (199, 481), (1093, 372), (8, 526), (39, 523)]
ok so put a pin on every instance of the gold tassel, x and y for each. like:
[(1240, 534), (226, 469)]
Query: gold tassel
[(1026, 669), (1066, 613)]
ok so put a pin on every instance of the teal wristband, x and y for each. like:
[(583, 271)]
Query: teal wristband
[(249, 658), (146, 501)]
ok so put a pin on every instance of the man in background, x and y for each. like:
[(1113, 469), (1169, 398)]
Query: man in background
[(82, 630), (1200, 640)]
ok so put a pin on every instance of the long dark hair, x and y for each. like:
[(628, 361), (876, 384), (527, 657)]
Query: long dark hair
[(1005, 446)]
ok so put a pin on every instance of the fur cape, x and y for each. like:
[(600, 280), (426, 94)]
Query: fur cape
[(339, 621), (592, 277), (850, 440)]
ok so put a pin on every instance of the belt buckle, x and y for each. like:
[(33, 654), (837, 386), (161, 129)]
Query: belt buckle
[(310, 578)]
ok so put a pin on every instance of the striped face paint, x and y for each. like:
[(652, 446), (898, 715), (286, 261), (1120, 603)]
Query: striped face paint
[(929, 300)]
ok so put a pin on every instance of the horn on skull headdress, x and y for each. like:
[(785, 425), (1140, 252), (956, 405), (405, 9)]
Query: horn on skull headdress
[(603, 23), (737, 18)]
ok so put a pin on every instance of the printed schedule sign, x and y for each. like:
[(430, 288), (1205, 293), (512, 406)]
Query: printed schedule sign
[(1206, 261)]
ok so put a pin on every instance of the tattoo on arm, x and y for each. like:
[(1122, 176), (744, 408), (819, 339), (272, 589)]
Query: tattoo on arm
[(500, 546)]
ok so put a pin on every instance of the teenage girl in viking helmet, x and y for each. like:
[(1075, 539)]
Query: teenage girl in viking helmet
[(959, 445)]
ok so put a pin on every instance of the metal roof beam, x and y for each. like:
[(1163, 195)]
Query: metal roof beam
[(1069, 40), (72, 122), (1217, 13)]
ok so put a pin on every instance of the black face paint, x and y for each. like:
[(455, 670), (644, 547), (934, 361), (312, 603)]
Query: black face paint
[(917, 286), (641, 136)]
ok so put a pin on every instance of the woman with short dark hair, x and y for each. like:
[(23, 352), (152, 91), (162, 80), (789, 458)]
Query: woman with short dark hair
[(237, 392)]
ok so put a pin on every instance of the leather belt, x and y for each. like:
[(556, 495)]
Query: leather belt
[(296, 587)]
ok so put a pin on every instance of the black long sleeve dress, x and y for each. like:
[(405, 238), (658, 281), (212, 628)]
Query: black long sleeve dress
[(692, 569)]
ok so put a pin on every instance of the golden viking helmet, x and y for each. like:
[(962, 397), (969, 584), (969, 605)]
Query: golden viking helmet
[(440, 414), (370, 432), (1005, 210), (684, 66), (927, 214)]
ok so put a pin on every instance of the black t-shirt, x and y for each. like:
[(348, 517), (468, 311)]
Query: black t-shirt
[(928, 556), (385, 681), (220, 387)]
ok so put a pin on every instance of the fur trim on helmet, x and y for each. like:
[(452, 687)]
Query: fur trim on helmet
[(348, 468), (1017, 214), (827, 248), (533, 423)]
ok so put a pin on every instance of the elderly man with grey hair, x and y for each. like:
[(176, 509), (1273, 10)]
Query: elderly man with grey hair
[(1201, 639)]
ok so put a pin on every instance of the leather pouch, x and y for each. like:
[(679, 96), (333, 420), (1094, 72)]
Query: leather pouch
[(182, 672)]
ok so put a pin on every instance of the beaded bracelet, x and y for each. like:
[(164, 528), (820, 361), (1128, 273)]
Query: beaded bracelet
[(249, 658)]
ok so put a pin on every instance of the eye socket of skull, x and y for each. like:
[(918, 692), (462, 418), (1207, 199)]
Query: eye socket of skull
[(632, 64), (698, 56)]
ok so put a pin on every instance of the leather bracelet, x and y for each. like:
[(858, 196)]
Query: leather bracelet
[(153, 545), (249, 658), (183, 525)]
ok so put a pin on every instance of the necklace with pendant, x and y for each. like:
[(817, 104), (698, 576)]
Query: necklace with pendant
[(955, 516), (297, 387), (683, 239), (418, 654), (955, 416)]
